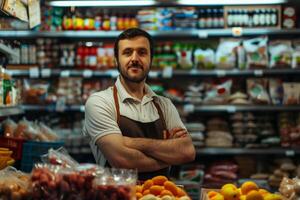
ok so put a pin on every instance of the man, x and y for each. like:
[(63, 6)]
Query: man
[(129, 125)]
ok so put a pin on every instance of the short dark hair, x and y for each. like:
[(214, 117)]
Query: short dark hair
[(131, 33)]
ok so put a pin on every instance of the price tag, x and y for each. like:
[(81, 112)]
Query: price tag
[(114, 73), (153, 74), (82, 108), (258, 72), (34, 72), (231, 109), (167, 72), (65, 73), (237, 31), (46, 73), (290, 153), (221, 73), (87, 73), (189, 108), (202, 34)]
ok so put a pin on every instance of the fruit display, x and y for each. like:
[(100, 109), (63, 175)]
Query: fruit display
[(249, 190), (160, 188), (5, 158), (14, 185)]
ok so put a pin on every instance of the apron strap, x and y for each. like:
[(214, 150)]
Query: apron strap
[(166, 135), (117, 104)]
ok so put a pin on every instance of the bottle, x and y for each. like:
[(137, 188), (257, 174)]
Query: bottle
[(113, 22), (133, 23), (98, 22), (221, 18), (106, 22), (201, 19), (120, 23), (209, 18)]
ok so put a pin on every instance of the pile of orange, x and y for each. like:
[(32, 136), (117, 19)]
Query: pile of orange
[(248, 191), (159, 187)]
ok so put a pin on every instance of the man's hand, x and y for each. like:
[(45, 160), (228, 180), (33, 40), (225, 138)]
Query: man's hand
[(177, 132)]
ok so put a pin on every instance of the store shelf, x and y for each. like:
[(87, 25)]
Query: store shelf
[(244, 151), (45, 73), (192, 33), (243, 108), (202, 108), (13, 110)]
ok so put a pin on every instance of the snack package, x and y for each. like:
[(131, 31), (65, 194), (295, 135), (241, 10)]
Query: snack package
[(281, 53), (218, 94), (204, 59), (184, 57), (226, 53), (291, 93), (257, 91), (296, 54), (116, 182), (35, 92), (14, 184), (276, 91), (290, 188), (47, 132), (256, 52)]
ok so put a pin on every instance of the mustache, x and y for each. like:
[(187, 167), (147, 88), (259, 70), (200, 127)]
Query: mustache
[(135, 65)]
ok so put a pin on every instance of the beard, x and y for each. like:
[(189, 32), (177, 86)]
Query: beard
[(134, 79)]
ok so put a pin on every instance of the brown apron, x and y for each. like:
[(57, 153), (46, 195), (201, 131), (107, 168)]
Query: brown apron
[(132, 128)]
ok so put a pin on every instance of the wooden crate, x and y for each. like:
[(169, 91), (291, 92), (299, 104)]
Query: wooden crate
[(204, 191)]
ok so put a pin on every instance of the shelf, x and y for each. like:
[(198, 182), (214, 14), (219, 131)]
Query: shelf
[(13, 110), (242, 108), (244, 151), (202, 108), (45, 73), (192, 33)]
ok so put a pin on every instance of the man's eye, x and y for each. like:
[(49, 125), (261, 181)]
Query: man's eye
[(127, 52), (143, 52)]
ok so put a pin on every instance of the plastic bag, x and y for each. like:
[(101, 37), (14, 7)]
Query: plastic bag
[(204, 59), (226, 53), (35, 92), (291, 93), (14, 184), (116, 182), (9, 127), (257, 91), (281, 53), (296, 54), (61, 157), (256, 52), (218, 94), (276, 91), (48, 132)]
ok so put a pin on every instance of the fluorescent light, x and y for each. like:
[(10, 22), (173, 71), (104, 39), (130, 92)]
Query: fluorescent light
[(229, 2), (101, 3)]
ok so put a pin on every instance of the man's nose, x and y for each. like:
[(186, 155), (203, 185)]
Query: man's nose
[(135, 56)]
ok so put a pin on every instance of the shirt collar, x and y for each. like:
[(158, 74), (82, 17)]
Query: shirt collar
[(123, 94)]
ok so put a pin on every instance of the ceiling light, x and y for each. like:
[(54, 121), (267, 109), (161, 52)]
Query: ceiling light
[(78, 3), (229, 2)]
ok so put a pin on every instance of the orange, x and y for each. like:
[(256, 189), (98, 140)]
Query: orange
[(263, 192), (248, 186), (230, 193), (166, 192), (229, 185), (169, 185), (156, 189), (254, 195), (211, 194), (145, 192), (159, 180), (180, 192), (139, 188), (138, 195), (147, 184)]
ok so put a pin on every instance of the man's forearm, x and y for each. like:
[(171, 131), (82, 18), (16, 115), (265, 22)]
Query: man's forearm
[(172, 151)]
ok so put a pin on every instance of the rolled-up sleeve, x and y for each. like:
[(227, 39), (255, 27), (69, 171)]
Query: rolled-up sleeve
[(100, 118)]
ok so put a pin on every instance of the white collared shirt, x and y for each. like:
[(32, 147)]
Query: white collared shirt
[(101, 115)]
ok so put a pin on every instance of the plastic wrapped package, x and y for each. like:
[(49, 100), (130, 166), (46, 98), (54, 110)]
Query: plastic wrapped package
[(35, 92), (218, 94), (291, 93), (14, 184), (204, 59), (290, 188), (9, 127), (226, 53), (296, 54), (116, 184), (276, 91), (256, 52), (281, 53), (257, 91), (61, 157), (57, 182)]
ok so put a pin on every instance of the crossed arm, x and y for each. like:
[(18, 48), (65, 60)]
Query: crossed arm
[(147, 154)]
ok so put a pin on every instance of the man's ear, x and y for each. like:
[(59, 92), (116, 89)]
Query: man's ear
[(116, 63)]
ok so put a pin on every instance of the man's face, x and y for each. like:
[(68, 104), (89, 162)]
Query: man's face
[(134, 58)]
